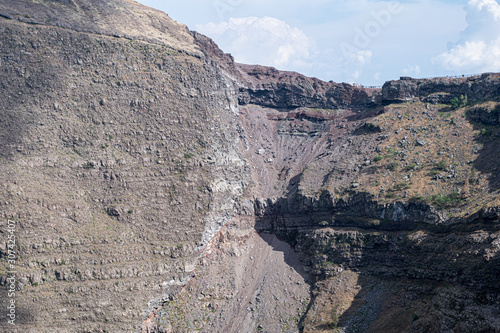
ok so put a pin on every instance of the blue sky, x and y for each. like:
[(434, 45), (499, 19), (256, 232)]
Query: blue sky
[(354, 41)]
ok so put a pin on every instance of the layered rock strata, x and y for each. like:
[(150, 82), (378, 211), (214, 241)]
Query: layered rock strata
[(157, 185)]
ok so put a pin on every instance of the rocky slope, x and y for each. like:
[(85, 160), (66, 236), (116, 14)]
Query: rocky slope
[(158, 186), (118, 160)]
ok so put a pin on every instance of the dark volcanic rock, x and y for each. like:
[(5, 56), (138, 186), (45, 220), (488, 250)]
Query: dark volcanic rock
[(442, 90), (269, 87), (132, 151), (359, 210), (485, 115)]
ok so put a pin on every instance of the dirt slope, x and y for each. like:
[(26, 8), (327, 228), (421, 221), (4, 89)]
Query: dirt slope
[(158, 186)]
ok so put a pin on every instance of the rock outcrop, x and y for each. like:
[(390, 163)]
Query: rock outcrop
[(156, 185), (487, 115), (119, 160), (269, 87), (442, 90)]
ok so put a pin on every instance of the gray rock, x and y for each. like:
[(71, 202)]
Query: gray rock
[(421, 142)]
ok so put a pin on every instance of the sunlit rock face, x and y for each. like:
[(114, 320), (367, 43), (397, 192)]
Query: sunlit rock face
[(157, 186)]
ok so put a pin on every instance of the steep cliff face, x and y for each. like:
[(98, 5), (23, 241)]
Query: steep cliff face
[(391, 211), (269, 87), (442, 90), (118, 159), (157, 185)]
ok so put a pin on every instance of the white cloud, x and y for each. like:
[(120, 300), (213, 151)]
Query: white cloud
[(266, 41), (412, 70), (356, 62), (413, 36), (488, 6), (361, 57), (479, 46)]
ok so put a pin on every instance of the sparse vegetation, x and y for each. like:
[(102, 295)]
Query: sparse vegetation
[(441, 165), (459, 102), (411, 166), (89, 165), (391, 151), (334, 322), (442, 201), (399, 187), (392, 166), (195, 144), (485, 132), (434, 172)]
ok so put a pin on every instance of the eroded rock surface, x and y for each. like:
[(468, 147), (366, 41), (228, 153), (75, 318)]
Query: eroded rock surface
[(118, 160), (159, 186), (442, 90)]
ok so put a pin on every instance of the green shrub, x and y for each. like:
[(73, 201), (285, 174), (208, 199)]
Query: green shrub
[(392, 151), (334, 322), (392, 166), (459, 102), (485, 132), (441, 165), (399, 187), (411, 166), (378, 158), (442, 201)]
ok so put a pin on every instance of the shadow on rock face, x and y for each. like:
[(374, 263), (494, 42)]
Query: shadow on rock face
[(290, 256), (13, 313), (398, 275), (488, 160)]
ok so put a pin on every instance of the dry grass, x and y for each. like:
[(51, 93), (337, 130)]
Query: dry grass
[(433, 154)]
